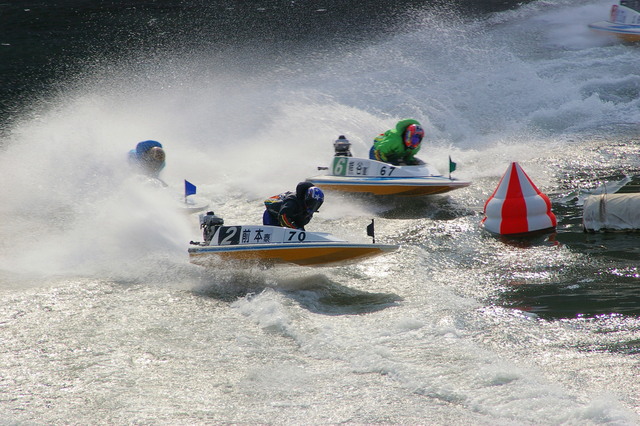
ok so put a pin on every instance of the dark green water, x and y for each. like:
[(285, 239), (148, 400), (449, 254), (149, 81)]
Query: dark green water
[(45, 43)]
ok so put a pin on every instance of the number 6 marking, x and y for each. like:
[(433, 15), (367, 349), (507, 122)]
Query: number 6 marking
[(340, 167)]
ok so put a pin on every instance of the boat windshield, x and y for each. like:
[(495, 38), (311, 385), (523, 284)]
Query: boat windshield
[(631, 4)]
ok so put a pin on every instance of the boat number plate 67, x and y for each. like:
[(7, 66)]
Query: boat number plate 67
[(344, 166)]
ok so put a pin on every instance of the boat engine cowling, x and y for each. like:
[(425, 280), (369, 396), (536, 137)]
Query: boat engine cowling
[(209, 222), (342, 147)]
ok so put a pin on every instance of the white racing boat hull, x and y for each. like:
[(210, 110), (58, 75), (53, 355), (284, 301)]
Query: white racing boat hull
[(629, 33), (272, 245), (348, 174), (389, 186)]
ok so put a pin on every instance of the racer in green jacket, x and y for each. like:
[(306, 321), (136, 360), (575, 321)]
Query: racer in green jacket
[(400, 145)]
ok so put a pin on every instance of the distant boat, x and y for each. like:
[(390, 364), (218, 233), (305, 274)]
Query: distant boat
[(191, 202), (624, 21), (618, 210)]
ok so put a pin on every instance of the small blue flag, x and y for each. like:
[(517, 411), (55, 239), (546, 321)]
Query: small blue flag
[(189, 188)]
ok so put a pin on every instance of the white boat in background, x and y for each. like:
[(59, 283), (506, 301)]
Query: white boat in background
[(624, 21), (614, 211), (351, 174), (187, 202), (193, 204), (273, 245)]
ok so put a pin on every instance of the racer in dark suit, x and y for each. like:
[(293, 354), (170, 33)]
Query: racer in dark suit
[(293, 210)]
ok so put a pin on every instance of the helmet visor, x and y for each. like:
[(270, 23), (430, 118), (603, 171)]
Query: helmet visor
[(313, 205), (413, 141)]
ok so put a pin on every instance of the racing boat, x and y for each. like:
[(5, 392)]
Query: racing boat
[(272, 245), (351, 174), (624, 21)]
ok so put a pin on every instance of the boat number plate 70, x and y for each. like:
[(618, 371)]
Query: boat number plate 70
[(234, 235)]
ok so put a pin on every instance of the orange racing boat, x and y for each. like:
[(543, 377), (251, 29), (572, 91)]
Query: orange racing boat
[(272, 245)]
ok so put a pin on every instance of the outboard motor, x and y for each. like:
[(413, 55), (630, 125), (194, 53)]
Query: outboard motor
[(342, 147), (209, 223)]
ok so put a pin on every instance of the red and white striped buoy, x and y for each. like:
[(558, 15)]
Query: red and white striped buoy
[(517, 207)]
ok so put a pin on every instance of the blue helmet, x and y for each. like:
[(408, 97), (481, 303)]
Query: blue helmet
[(313, 199)]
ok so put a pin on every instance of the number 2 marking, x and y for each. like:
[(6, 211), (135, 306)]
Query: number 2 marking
[(231, 232)]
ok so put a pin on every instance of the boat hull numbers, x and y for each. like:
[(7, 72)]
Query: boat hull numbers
[(234, 235), (344, 166)]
